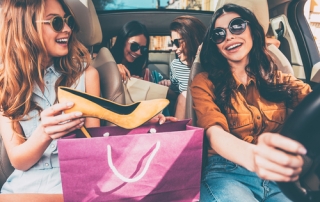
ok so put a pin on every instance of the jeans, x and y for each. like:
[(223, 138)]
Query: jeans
[(225, 181)]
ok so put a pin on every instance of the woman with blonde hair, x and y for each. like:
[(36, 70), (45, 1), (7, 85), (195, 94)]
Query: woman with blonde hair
[(38, 53)]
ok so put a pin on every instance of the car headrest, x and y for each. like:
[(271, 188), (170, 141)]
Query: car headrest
[(259, 8), (86, 16)]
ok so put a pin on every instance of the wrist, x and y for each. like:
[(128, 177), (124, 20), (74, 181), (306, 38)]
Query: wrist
[(42, 135), (251, 165)]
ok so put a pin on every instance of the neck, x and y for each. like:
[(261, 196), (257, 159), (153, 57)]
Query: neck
[(238, 68), (47, 62)]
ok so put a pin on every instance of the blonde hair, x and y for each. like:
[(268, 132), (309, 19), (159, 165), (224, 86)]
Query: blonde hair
[(23, 53)]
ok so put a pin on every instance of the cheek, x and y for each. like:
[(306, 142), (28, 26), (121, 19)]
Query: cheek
[(219, 46), (48, 36), (126, 50), (183, 49)]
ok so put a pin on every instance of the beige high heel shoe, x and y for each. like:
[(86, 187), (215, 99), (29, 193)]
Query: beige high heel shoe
[(125, 116)]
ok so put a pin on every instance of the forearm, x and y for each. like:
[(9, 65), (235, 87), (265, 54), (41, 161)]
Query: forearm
[(231, 147), (25, 155)]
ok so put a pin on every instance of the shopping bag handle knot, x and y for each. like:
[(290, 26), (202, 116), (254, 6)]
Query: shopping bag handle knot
[(145, 169)]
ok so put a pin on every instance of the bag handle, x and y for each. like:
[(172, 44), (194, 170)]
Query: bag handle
[(121, 177)]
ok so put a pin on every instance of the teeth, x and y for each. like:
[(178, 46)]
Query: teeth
[(233, 46), (62, 40), (133, 56)]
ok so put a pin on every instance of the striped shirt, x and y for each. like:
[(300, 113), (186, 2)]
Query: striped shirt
[(179, 76)]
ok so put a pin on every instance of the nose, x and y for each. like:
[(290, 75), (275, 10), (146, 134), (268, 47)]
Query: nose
[(66, 27), (229, 35), (138, 52), (174, 47)]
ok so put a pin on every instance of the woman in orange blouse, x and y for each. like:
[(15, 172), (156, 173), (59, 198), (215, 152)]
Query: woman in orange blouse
[(241, 100)]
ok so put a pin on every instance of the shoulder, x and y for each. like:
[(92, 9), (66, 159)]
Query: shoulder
[(202, 76), (202, 80), (91, 72), (92, 81), (175, 62)]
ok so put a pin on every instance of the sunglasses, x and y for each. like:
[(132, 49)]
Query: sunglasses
[(236, 26), (135, 47), (57, 22), (176, 42)]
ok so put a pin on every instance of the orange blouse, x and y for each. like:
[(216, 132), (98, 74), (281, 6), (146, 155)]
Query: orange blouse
[(252, 114)]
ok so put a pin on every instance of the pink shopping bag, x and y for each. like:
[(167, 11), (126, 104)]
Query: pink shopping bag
[(150, 163)]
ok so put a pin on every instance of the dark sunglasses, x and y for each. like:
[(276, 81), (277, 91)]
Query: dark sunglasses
[(176, 42), (236, 26), (135, 47), (57, 22)]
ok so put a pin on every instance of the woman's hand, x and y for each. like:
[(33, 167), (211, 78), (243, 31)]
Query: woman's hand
[(278, 158), (55, 124), (161, 119), (124, 72), (165, 82)]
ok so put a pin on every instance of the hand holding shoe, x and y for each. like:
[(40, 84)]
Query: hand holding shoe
[(161, 119), (55, 124)]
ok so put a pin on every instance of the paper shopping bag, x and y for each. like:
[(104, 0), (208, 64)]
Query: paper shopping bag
[(150, 163), (138, 90)]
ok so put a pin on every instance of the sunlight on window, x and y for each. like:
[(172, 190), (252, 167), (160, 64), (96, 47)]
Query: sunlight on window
[(312, 13)]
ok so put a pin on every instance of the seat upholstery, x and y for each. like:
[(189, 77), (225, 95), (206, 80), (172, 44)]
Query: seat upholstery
[(110, 80), (5, 166), (160, 61), (90, 34), (260, 9)]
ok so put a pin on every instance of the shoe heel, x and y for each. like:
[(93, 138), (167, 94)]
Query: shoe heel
[(85, 132)]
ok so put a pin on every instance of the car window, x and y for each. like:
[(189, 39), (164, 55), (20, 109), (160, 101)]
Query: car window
[(312, 13), (157, 43), (205, 5)]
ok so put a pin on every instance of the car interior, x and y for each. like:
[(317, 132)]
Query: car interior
[(297, 54)]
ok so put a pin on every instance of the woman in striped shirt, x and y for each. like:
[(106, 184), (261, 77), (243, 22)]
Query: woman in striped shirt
[(187, 33)]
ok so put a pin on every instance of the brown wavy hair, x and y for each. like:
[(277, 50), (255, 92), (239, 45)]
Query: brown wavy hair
[(22, 55), (192, 30), (261, 65)]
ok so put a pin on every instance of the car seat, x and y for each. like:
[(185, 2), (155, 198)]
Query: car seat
[(91, 34), (260, 9)]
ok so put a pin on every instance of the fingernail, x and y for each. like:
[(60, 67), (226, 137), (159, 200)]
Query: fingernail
[(78, 114), (82, 119), (161, 122), (70, 104), (81, 124), (302, 150)]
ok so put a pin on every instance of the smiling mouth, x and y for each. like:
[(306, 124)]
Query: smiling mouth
[(134, 56), (62, 41), (234, 46)]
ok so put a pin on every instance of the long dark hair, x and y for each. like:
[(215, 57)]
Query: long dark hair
[(192, 30), (261, 65), (130, 29)]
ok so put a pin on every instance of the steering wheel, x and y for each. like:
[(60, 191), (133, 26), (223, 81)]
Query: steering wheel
[(303, 125)]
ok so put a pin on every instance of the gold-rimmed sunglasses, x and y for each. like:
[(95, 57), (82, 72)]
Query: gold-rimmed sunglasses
[(57, 22)]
